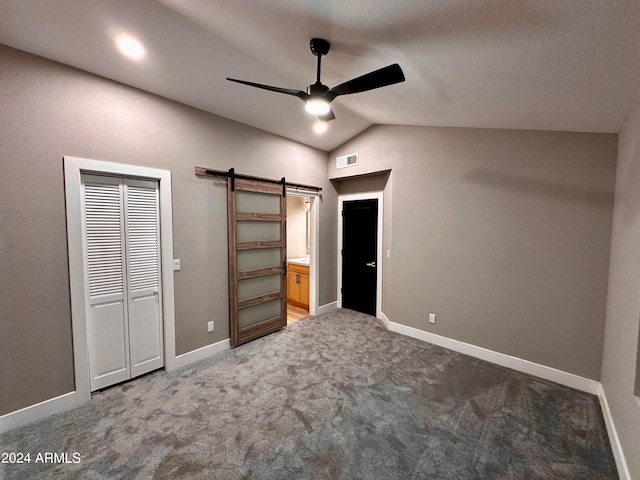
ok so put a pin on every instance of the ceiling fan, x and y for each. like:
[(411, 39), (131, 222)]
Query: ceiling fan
[(318, 96)]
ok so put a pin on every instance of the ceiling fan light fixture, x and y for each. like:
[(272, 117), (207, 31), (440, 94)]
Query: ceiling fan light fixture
[(317, 106)]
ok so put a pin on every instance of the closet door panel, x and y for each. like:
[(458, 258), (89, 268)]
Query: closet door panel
[(143, 274), (146, 337), (105, 282), (107, 335)]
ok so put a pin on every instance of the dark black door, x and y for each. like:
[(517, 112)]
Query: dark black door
[(359, 255)]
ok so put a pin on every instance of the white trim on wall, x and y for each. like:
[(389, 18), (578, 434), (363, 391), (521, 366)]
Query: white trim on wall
[(542, 371), (525, 366), (328, 307), (39, 411), (202, 353), (73, 169), (362, 196), (385, 320), (616, 446)]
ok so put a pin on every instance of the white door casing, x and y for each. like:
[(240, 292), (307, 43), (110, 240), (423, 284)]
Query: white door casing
[(74, 167)]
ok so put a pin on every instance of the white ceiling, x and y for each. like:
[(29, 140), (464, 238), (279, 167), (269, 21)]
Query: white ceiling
[(523, 64)]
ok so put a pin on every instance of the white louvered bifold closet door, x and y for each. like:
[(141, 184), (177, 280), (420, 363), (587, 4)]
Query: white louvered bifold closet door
[(143, 274), (124, 316)]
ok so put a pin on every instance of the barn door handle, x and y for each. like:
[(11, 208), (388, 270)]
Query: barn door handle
[(371, 264)]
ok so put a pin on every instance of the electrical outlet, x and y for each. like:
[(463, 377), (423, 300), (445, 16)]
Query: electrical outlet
[(432, 318), (209, 326)]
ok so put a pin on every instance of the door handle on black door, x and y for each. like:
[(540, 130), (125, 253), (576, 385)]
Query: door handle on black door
[(371, 264)]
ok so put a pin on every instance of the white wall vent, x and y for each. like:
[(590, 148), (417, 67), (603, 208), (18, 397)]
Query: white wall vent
[(350, 160)]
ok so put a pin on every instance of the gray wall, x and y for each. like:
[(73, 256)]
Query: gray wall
[(49, 111), (504, 235), (621, 346)]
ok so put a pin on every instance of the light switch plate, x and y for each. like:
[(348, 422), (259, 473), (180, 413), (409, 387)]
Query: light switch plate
[(432, 318), (176, 264)]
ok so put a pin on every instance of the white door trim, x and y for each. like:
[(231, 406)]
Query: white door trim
[(73, 169), (362, 196), (314, 274)]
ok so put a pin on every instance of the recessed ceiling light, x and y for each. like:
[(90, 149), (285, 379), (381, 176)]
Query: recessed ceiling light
[(130, 47), (320, 127)]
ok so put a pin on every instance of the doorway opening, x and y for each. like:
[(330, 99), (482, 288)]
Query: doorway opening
[(302, 257), (360, 252)]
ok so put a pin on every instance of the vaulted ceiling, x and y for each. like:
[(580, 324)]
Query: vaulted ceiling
[(521, 64)]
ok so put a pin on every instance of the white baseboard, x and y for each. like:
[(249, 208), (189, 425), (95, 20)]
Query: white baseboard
[(65, 402), (525, 366), (201, 353), (385, 320), (515, 363), (326, 308), (69, 400), (36, 412), (616, 446)]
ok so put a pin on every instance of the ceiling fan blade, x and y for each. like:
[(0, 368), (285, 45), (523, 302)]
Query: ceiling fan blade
[(327, 117), (376, 79), (304, 96)]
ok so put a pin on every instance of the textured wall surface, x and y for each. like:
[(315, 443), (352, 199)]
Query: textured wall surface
[(621, 346), (503, 234), (49, 111)]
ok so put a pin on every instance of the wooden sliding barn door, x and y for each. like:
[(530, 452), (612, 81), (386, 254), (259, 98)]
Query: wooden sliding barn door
[(257, 258)]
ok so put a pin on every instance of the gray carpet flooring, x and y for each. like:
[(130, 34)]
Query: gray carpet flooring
[(335, 396)]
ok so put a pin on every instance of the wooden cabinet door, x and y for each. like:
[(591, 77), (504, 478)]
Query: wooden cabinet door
[(298, 285), (303, 285), (292, 286)]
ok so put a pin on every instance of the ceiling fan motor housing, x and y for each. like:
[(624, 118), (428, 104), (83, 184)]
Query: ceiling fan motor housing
[(319, 46), (317, 89)]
